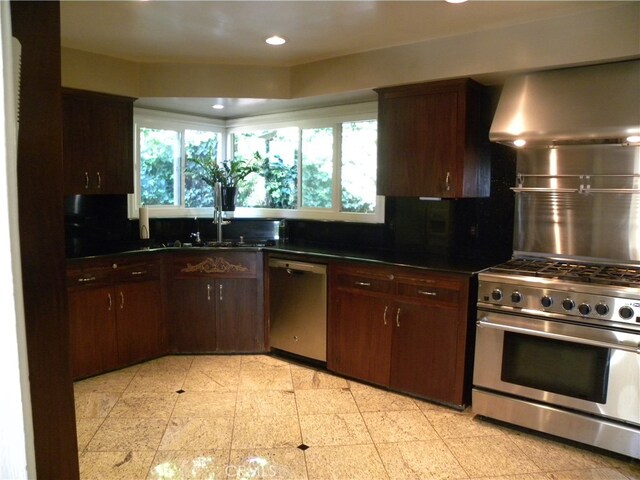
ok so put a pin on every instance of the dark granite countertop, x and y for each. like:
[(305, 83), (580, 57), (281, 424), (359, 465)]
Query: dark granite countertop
[(440, 263)]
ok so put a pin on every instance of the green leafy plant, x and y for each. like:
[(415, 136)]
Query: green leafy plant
[(228, 172)]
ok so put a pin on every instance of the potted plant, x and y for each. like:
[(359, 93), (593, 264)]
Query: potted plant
[(227, 173)]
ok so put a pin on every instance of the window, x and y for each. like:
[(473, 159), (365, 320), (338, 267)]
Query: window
[(317, 164)]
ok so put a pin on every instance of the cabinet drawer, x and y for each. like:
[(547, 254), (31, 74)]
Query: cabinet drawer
[(428, 293), (362, 278), (139, 271), (78, 276)]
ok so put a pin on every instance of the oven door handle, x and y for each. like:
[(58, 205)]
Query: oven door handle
[(485, 323)]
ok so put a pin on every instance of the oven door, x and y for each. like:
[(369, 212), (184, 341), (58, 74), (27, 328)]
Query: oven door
[(574, 366)]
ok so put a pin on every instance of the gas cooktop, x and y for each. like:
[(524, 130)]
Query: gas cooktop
[(627, 276)]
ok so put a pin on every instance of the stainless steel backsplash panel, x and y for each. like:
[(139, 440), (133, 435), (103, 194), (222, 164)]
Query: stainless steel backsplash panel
[(580, 224)]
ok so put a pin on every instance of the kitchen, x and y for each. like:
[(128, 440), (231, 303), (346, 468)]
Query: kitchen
[(466, 63)]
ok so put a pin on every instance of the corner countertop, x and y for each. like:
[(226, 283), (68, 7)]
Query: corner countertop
[(441, 263)]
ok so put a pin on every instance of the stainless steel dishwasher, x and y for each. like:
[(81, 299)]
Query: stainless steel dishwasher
[(298, 307)]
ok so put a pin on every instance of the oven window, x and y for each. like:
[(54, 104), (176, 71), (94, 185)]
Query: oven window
[(567, 368)]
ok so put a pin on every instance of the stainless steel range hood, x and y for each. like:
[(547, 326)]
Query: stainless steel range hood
[(583, 105)]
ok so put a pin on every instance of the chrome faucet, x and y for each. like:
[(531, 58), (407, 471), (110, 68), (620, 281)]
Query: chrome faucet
[(217, 212), (196, 235)]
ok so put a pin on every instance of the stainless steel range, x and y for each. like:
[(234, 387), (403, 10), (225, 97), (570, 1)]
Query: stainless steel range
[(558, 326), (558, 350)]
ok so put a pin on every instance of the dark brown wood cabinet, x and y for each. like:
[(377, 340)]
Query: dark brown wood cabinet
[(97, 142), (433, 140), (217, 302), (115, 312), (401, 328)]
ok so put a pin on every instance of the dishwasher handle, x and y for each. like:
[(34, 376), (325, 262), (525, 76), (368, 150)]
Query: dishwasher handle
[(297, 268)]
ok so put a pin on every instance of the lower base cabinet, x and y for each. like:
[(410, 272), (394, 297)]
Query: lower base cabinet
[(216, 302), (115, 312), (400, 328)]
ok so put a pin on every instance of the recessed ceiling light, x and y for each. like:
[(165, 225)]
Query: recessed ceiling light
[(455, 1), (217, 106), (519, 142), (276, 40)]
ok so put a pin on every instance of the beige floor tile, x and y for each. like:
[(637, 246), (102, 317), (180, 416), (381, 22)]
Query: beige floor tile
[(601, 473), (453, 424), (169, 363), (484, 456), (274, 431), (215, 362), (95, 404), (309, 378), (86, 429), (628, 467), (252, 362), (374, 400), (266, 402), (125, 434), (189, 464), (334, 429), (425, 459), (351, 462), (117, 381), (426, 405), (212, 380), (325, 401), (205, 404), (273, 463), (157, 381), (265, 378), (144, 405), (551, 456), (398, 426), (526, 476), (198, 434), (129, 465)]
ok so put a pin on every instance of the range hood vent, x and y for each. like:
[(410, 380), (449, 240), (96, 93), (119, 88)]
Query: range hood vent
[(597, 104)]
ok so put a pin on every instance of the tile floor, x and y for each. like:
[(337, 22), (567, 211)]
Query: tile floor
[(256, 416)]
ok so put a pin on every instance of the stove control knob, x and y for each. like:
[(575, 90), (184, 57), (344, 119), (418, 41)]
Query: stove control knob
[(496, 295), (546, 301), (516, 297), (584, 309), (626, 312), (602, 308), (568, 304)]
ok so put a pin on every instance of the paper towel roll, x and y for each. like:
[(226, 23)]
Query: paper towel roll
[(144, 222)]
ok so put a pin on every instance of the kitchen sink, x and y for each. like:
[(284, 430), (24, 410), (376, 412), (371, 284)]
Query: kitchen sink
[(225, 244)]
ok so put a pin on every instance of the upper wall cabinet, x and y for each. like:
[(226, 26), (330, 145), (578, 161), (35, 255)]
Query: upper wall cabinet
[(433, 140), (97, 142)]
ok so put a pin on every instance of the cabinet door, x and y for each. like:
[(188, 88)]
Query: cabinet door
[(97, 143), (92, 330), (193, 321), (423, 355), (417, 145), (359, 337), (238, 328), (138, 314)]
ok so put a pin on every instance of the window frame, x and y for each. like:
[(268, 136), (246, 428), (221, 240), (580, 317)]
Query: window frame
[(310, 118)]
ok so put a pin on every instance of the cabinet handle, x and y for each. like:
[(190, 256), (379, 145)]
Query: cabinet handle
[(220, 292), (384, 315), (86, 180), (398, 318), (139, 272), (363, 284), (446, 182), (428, 293), (121, 300), (86, 279), (110, 301), (208, 292), (99, 179)]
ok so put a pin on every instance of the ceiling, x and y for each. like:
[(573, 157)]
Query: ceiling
[(233, 33)]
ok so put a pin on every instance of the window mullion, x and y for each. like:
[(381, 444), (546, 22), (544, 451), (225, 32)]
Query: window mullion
[(179, 180), (336, 198), (299, 179)]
